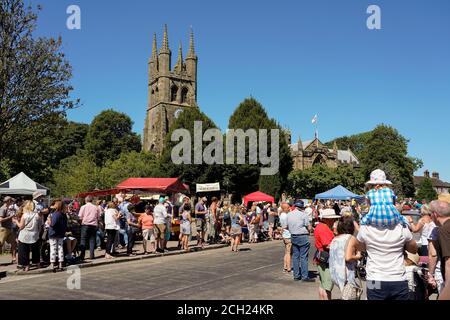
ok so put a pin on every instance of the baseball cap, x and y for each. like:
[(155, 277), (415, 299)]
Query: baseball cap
[(299, 204)]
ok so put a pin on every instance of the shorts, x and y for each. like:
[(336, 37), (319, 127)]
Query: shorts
[(287, 246), (167, 234), (227, 222), (159, 231), (236, 231), (201, 225), (7, 235), (325, 277), (148, 235)]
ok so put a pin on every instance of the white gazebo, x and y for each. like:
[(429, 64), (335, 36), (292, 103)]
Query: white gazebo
[(22, 185)]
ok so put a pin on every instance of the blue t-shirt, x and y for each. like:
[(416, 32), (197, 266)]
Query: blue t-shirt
[(58, 225), (200, 207)]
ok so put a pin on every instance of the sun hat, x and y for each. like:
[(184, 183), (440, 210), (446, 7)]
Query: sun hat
[(8, 198), (329, 214), (413, 257), (37, 194), (378, 177)]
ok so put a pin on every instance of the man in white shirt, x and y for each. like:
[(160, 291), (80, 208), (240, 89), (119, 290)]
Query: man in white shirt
[(160, 215), (386, 273)]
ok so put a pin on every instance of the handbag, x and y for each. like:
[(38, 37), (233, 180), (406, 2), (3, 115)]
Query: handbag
[(322, 256), (350, 292)]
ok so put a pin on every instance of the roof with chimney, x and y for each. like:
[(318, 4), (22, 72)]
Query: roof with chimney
[(437, 183)]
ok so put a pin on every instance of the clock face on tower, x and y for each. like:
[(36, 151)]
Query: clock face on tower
[(177, 113)]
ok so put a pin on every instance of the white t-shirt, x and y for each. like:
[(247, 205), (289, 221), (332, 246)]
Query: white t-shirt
[(385, 247), (283, 221), (160, 214), (309, 212), (110, 222)]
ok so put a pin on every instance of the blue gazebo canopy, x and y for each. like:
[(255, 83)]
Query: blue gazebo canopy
[(338, 193)]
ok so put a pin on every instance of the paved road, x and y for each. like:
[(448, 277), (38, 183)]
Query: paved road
[(253, 273)]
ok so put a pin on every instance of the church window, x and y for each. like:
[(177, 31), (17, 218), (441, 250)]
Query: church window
[(319, 160), (173, 93), (184, 95)]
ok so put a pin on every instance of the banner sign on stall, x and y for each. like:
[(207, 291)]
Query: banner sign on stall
[(208, 187)]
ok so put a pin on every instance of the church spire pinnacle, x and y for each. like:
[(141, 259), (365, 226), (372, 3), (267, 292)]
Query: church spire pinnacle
[(191, 45), (179, 65), (154, 48), (165, 45)]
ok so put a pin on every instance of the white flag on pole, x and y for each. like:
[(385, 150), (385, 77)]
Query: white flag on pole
[(314, 120)]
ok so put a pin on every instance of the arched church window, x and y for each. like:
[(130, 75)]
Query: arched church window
[(319, 160), (184, 95), (173, 93)]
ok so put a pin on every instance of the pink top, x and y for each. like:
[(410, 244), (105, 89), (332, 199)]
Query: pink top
[(89, 215)]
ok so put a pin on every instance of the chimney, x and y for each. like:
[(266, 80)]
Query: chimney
[(436, 175), (426, 174)]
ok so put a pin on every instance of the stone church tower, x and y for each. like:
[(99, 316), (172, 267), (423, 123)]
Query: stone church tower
[(169, 91)]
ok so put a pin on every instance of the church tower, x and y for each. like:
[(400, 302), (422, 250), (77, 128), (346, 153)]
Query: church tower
[(169, 91)]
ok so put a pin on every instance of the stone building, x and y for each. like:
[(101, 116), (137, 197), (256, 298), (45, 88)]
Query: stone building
[(306, 154), (441, 187), (170, 91)]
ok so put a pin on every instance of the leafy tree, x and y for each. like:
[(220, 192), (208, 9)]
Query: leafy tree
[(75, 174), (426, 191), (110, 134), (387, 149), (133, 164), (243, 179), (307, 183), (190, 173), (356, 142), (34, 91)]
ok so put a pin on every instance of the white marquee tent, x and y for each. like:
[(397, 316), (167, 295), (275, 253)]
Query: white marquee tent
[(22, 185)]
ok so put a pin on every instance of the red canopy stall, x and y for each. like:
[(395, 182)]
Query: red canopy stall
[(257, 197), (144, 185)]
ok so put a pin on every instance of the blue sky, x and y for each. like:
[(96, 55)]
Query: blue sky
[(297, 57)]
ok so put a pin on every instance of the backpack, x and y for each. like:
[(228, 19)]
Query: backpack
[(226, 215)]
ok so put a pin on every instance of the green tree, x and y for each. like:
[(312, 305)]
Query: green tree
[(75, 174), (132, 164), (387, 149), (189, 173), (109, 135), (356, 142), (250, 114), (308, 183), (34, 91), (426, 191)]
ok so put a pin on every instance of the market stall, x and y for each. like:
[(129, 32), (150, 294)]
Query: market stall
[(338, 193), (22, 185), (258, 196)]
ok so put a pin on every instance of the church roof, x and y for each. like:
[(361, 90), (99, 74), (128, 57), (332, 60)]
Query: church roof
[(347, 156), (305, 144), (437, 183)]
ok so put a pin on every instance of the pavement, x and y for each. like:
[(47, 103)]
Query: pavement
[(253, 273), (9, 269)]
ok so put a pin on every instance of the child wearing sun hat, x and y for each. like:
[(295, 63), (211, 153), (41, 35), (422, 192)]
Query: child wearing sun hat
[(382, 212)]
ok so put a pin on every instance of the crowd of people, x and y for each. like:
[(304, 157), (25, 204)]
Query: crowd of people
[(373, 242), (369, 241)]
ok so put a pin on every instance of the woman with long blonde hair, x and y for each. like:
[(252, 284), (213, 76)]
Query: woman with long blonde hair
[(29, 225), (236, 228)]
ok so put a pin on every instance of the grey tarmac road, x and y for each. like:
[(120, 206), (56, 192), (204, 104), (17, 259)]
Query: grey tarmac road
[(253, 273)]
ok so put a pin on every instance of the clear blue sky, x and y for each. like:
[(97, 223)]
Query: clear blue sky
[(298, 58)]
